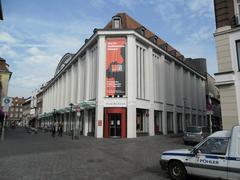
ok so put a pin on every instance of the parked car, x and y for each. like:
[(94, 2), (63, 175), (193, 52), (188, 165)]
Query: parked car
[(195, 134), (218, 156)]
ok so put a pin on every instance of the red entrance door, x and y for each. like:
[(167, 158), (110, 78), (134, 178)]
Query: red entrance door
[(115, 122)]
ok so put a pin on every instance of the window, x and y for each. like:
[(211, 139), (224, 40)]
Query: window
[(179, 122), (141, 72), (169, 122), (116, 23), (187, 120), (142, 120), (214, 146), (142, 31), (194, 122), (158, 121), (238, 53)]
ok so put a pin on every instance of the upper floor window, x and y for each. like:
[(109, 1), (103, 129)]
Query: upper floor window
[(238, 53), (116, 23)]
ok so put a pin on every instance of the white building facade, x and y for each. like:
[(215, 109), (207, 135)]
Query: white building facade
[(121, 84)]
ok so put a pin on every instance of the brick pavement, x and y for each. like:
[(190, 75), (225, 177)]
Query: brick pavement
[(40, 157)]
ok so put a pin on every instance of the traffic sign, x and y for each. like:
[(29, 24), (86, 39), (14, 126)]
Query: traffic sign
[(7, 102)]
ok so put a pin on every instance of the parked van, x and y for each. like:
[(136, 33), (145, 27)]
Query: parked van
[(195, 134), (218, 156)]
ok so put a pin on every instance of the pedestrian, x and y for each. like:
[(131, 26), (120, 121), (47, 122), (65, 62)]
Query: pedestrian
[(53, 129), (60, 129)]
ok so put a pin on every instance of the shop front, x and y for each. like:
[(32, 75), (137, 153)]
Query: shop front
[(115, 123)]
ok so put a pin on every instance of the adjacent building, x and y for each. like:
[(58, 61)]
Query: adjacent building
[(125, 81), (5, 76), (227, 37), (26, 106), (15, 113)]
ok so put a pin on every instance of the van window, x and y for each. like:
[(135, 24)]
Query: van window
[(194, 129), (214, 146)]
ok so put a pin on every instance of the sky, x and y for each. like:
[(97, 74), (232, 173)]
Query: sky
[(35, 34)]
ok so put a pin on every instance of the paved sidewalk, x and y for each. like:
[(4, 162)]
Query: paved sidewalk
[(41, 157)]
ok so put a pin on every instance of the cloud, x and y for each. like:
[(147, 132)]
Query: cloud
[(34, 47), (129, 4), (7, 52), (7, 38), (203, 34), (201, 7)]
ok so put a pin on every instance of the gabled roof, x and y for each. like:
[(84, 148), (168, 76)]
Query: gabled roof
[(3, 65), (129, 23)]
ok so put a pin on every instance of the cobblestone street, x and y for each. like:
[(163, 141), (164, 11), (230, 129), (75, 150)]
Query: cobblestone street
[(39, 156)]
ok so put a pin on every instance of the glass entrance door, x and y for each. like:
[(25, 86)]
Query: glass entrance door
[(114, 124)]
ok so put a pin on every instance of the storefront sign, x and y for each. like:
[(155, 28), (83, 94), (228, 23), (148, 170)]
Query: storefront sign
[(115, 67)]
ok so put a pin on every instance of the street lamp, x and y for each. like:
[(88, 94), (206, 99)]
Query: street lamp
[(71, 123)]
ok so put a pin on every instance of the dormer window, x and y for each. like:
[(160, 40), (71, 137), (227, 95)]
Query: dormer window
[(164, 46), (155, 39), (142, 31), (116, 22)]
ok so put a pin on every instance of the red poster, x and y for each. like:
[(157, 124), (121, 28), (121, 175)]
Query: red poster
[(115, 67)]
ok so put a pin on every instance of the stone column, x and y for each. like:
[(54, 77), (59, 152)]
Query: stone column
[(101, 79), (87, 79), (190, 97), (131, 86), (72, 84), (164, 113), (150, 89), (79, 80), (173, 72), (63, 90)]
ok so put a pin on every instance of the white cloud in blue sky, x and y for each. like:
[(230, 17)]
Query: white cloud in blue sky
[(36, 34)]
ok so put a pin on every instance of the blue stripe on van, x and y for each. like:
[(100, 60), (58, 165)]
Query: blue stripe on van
[(207, 156), (179, 154)]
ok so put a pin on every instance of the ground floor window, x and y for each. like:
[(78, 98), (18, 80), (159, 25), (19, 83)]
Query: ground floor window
[(91, 122), (170, 122), (194, 121), (158, 122), (179, 122), (204, 121), (187, 120), (199, 120), (142, 120)]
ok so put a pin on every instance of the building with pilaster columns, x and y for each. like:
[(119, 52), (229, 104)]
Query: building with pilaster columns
[(227, 38), (125, 82)]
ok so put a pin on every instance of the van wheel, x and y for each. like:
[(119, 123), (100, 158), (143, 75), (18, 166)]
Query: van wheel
[(177, 171)]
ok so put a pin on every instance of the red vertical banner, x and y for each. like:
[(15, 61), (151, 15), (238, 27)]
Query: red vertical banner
[(115, 66)]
